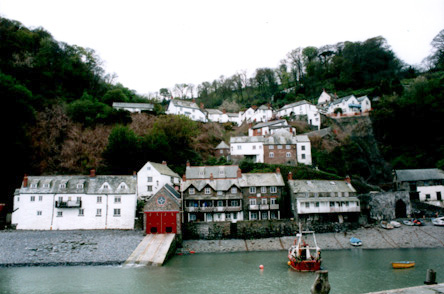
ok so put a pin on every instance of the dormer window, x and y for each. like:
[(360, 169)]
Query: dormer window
[(79, 186), (62, 186), (33, 185), (191, 191), (46, 185)]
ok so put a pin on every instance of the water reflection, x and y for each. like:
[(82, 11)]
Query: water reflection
[(350, 271)]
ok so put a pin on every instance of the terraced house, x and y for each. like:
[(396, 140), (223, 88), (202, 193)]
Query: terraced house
[(224, 193), (75, 202)]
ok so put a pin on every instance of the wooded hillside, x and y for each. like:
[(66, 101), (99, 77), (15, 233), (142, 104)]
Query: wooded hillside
[(60, 119)]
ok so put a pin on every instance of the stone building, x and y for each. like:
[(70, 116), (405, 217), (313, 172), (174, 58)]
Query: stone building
[(162, 212), (222, 150), (409, 179)]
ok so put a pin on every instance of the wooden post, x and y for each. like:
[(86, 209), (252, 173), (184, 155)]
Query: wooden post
[(430, 277), (321, 284)]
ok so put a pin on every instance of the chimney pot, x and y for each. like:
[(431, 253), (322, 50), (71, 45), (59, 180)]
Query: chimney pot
[(348, 179), (184, 178), (25, 181), (92, 173), (278, 170), (211, 177), (188, 163), (164, 162), (239, 173), (290, 176)]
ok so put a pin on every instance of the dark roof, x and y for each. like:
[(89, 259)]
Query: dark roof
[(412, 175)]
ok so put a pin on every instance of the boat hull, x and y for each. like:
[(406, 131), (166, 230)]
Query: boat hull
[(404, 264), (305, 265)]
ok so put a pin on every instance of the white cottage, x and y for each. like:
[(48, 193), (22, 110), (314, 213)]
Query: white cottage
[(347, 106), (75, 203), (153, 176), (301, 108), (187, 108), (366, 104), (133, 107)]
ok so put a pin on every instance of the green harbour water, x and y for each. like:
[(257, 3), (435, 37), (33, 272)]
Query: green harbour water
[(350, 271)]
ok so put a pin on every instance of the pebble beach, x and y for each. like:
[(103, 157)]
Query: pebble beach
[(113, 247)]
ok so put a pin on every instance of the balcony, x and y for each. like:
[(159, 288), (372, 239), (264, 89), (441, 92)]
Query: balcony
[(264, 207), (233, 208), (191, 209), (68, 204), (207, 209), (253, 207), (219, 209), (274, 206)]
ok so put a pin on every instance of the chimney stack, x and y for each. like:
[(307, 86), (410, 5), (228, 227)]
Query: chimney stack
[(188, 163), (224, 111), (201, 105), (278, 170), (211, 177), (92, 173), (290, 176), (184, 178), (348, 179), (25, 181), (164, 162), (239, 173)]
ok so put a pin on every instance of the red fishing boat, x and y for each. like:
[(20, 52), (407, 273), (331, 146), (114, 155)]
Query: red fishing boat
[(302, 256)]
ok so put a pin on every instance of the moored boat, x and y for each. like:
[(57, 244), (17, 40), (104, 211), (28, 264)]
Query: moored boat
[(439, 221), (395, 224), (386, 225), (355, 241), (408, 223), (303, 257), (403, 264)]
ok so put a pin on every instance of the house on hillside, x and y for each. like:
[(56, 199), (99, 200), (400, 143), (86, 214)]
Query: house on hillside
[(345, 106), (262, 194), (215, 115), (222, 150), (93, 202), (323, 200), (262, 113), (187, 108), (325, 98), (366, 104), (287, 149), (301, 110), (248, 147), (234, 118), (153, 176), (270, 128), (133, 107), (212, 193)]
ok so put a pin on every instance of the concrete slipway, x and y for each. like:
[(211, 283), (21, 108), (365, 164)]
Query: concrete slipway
[(153, 250)]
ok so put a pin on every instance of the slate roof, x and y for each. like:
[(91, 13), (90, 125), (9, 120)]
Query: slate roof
[(280, 140), (185, 103), (270, 123), (319, 186), (261, 179), (216, 184), (412, 175), (164, 169), (337, 101), (247, 139), (90, 185), (172, 191), (222, 145), (360, 99), (204, 172), (295, 104), (146, 106), (214, 111)]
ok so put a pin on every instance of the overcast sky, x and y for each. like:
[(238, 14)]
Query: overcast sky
[(157, 44)]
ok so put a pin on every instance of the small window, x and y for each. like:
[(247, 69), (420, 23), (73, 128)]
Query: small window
[(287, 147), (303, 156), (149, 188), (99, 212), (427, 197), (32, 198), (116, 211), (332, 204), (191, 191), (271, 155), (273, 190), (81, 212), (207, 191), (79, 199), (59, 213), (288, 154), (270, 147), (79, 186), (263, 189), (39, 212), (99, 199), (117, 199), (252, 201), (317, 204), (253, 215), (192, 217), (233, 190), (254, 147), (264, 201), (279, 146), (303, 147), (150, 179), (307, 204), (239, 147), (272, 201), (252, 190), (40, 198)]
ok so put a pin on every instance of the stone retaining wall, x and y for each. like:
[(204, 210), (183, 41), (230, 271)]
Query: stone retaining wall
[(256, 229)]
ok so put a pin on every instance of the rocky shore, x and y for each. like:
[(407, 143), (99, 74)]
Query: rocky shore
[(52, 248)]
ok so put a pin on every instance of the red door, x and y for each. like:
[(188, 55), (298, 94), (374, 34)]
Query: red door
[(161, 222)]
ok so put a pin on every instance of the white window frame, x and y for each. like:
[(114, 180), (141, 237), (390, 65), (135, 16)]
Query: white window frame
[(273, 189), (207, 191), (252, 190), (191, 190), (117, 212)]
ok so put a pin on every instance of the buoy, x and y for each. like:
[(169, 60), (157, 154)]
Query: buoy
[(261, 266), (192, 252), (289, 262)]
